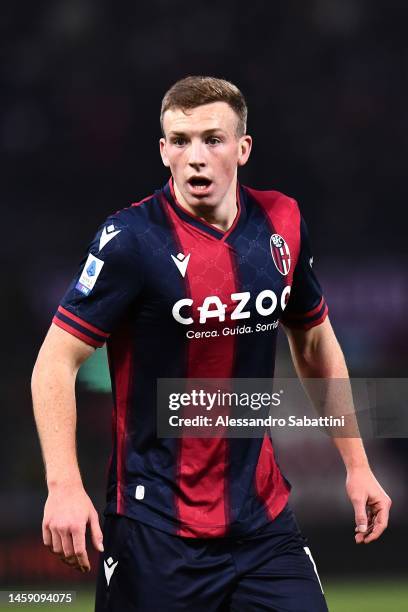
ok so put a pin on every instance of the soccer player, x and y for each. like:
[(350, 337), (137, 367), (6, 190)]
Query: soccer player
[(192, 524)]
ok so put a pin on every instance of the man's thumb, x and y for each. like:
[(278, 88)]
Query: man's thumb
[(96, 533), (361, 517)]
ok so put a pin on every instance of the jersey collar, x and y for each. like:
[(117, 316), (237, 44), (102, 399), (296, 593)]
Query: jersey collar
[(201, 224)]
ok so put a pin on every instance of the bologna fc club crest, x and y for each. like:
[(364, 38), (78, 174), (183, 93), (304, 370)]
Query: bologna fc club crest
[(280, 254)]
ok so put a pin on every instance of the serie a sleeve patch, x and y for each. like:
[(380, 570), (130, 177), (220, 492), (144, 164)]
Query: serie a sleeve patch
[(89, 275)]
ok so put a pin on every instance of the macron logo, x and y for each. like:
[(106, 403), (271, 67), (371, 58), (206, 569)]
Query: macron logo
[(181, 262), (107, 234), (110, 567)]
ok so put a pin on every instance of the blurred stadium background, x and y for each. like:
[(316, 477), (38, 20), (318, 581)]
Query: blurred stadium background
[(326, 83)]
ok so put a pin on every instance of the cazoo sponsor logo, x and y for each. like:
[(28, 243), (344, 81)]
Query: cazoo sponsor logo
[(212, 307)]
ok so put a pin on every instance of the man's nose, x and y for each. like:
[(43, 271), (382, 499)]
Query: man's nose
[(196, 157)]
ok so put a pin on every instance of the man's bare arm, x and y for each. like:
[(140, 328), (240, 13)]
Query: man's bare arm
[(316, 353), (68, 508)]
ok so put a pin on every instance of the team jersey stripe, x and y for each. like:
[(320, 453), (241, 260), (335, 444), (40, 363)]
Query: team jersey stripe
[(269, 482), (283, 217), (72, 323), (309, 313), (75, 332), (309, 319), (150, 197), (121, 355), (83, 323), (202, 479), (317, 321)]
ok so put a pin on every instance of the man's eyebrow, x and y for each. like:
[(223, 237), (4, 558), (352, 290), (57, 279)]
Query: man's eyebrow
[(213, 130), (204, 133), (176, 133)]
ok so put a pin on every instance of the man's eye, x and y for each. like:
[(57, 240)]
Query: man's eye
[(179, 142), (213, 140)]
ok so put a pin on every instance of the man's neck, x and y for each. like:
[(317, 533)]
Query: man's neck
[(221, 215)]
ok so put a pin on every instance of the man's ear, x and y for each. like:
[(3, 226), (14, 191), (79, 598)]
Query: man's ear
[(245, 146), (163, 152)]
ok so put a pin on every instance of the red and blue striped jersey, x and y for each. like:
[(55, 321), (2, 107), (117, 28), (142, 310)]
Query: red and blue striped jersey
[(155, 278)]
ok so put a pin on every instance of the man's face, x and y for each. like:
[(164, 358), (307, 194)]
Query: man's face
[(202, 150)]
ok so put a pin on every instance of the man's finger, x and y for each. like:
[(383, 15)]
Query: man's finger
[(78, 540), (380, 525), (46, 534), (96, 532), (360, 514), (56, 542), (369, 527), (374, 535), (67, 545), (360, 537)]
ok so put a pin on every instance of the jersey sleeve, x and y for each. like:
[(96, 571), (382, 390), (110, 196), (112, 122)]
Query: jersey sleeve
[(109, 279), (306, 307)]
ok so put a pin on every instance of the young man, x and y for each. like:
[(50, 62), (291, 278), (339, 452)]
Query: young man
[(192, 524)]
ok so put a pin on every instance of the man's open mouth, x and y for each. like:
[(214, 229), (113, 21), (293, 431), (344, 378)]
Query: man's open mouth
[(199, 183)]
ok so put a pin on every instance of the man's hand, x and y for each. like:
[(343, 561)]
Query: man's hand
[(67, 512), (370, 502)]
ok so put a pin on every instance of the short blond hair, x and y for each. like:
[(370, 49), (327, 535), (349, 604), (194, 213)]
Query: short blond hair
[(193, 91)]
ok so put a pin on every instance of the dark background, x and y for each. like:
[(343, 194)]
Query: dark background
[(326, 85)]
